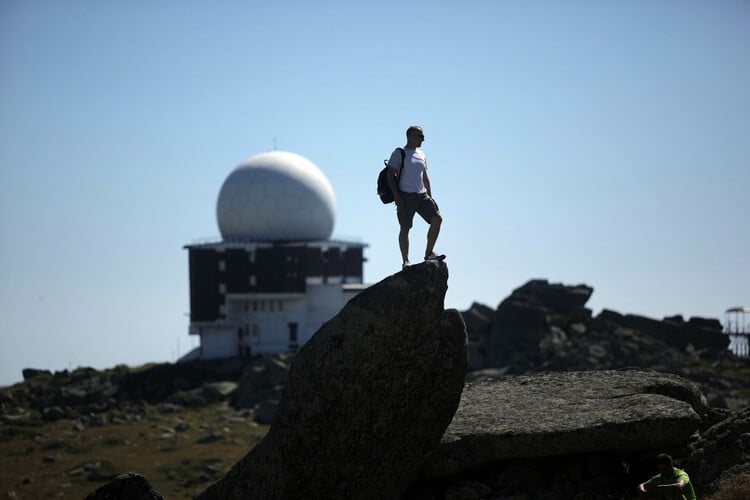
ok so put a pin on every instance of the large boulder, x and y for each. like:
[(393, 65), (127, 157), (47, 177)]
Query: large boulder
[(723, 448), (700, 333), (522, 320), (555, 297), (549, 414), (366, 400)]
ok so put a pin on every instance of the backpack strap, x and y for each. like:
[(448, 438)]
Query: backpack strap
[(403, 155)]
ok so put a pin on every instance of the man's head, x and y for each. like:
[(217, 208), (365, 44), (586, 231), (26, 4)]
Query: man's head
[(414, 136), (664, 463)]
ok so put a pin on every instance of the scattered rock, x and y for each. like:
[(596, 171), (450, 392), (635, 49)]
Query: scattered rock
[(211, 438), (130, 486), (265, 411), (96, 420), (181, 426), (218, 391), (624, 411), (78, 426), (54, 413), (262, 380), (166, 408), (29, 373), (6, 396), (721, 448), (367, 398)]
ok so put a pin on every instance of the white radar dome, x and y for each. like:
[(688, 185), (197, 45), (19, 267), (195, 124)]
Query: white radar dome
[(276, 196)]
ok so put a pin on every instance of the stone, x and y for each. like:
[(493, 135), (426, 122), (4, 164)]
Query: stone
[(97, 420), (166, 408), (478, 319), (721, 447), (262, 380), (29, 373), (130, 486), (622, 411), (701, 333), (555, 296), (181, 426), (6, 396), (366, 400), (468, 490), (265, 412), (218, 391)]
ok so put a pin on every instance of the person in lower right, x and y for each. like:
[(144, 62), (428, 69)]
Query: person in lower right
[(669, 483)]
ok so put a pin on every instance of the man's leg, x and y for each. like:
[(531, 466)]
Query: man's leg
[(403, 243), (432, 233)]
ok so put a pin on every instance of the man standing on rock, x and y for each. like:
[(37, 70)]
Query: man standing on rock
[(670, 482), (413, 194)]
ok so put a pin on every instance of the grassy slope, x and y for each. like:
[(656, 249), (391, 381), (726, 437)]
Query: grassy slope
[(175, 464)]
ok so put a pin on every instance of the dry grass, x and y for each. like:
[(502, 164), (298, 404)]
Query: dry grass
[(52, 460)]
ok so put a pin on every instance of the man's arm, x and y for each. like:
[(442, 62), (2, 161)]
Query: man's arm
[(426, 181), (393, 184), (674, 486)]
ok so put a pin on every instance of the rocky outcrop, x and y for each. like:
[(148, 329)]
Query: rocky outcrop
[(367, 398), (130, 486), (262, 379), (616, 412), (722, 451), (546, 326)]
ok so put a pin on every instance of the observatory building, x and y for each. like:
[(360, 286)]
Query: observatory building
[(276, 276)]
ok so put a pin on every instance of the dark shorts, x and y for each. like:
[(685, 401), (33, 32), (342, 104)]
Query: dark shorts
[(420, 203)]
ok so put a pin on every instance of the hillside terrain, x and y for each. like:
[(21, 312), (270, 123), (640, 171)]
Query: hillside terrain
[(183, 426)]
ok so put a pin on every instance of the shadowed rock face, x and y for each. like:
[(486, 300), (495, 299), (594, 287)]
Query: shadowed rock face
[(367, 398), (546, 414)]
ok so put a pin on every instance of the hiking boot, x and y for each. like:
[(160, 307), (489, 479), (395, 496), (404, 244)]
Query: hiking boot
[(405, 265), (434, 256)]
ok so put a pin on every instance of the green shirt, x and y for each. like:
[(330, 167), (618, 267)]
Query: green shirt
[(688, 493)]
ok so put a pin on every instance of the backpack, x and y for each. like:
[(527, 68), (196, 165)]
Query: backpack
[(384, 189)]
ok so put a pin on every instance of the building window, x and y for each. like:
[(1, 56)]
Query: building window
[(263, 305), (256, 331), (239, 333), (251, 256), (270, 305), (255, 306), (222, 288), (222, 265), (247, 306), (280, 305)]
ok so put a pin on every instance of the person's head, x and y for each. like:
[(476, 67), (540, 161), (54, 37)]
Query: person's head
[(664, 463), (414, 136)]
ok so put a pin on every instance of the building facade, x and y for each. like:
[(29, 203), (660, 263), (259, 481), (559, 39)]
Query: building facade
[(250, 298), (276, 276)]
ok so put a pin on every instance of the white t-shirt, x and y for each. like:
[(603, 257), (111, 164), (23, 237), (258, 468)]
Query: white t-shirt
[(415, 164)]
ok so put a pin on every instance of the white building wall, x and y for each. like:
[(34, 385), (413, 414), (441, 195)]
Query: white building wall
[(323, 303), (262, 322)]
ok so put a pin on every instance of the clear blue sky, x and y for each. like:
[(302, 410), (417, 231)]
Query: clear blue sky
[(604, 142)]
